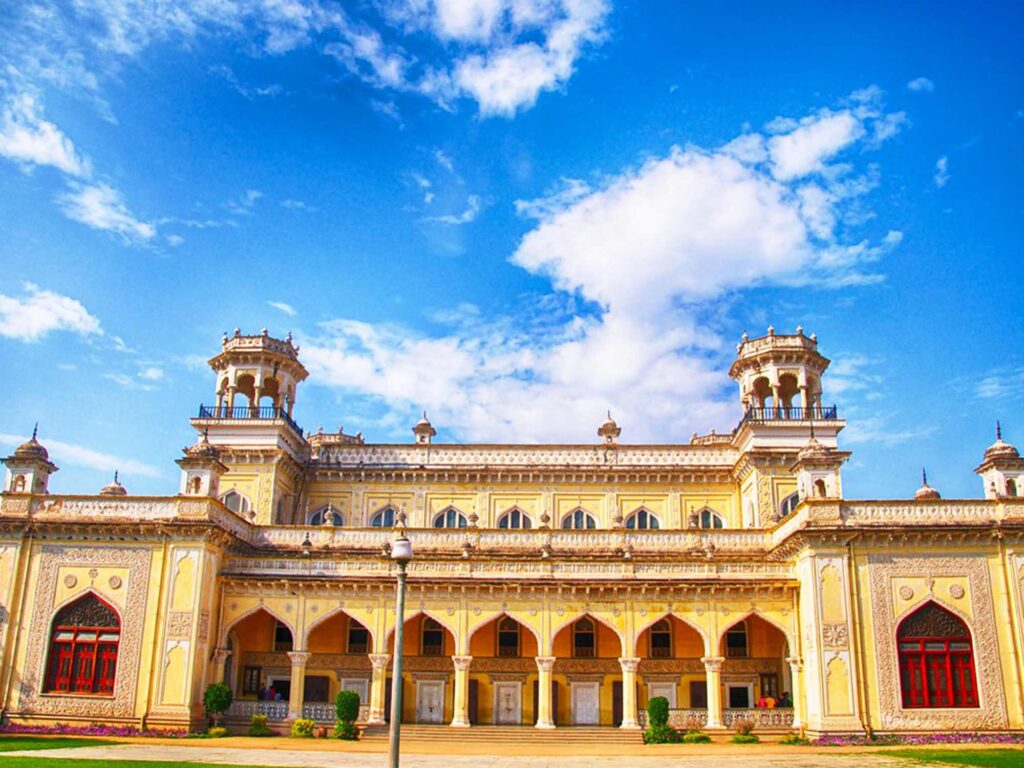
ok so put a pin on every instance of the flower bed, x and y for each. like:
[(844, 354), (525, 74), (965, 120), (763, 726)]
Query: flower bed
[(910, 739), (93, 729)]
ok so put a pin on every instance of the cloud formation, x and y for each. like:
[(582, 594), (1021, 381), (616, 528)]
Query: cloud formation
[(39, 312), (941, 176), (921, 85), (82, 456), (100, 206), (28, 139), (639, 262)]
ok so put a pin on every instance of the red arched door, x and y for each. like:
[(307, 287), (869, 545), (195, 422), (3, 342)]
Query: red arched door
[(936, 660)]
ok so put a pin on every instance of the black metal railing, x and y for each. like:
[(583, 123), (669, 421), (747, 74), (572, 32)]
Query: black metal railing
[(791, 413), (248, 412)]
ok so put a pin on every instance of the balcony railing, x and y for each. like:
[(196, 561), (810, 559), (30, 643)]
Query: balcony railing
[(248, 412), (780, 717), (790, 413)]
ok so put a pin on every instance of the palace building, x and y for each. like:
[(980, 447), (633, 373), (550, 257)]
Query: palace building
[(551, 585)]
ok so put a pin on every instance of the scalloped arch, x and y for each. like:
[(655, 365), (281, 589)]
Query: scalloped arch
[(690, 624)]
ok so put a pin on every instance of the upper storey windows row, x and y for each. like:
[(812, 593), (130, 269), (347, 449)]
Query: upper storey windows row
[(511, 519)]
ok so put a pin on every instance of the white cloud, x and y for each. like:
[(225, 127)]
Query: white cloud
[(27, 138), (921, 85), (39, 312), (468, 215), (444, 160), (297, 205), (651, 252), (80, 456), (244, 205), (1001, 384), (280, 306), (941, 172), (151, 373), (174, 240), (100, 206), (805, 149)]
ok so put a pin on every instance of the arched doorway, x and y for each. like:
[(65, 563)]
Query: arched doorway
[(339, 648), (503, 675), (670, 652), (427, 670), (936, 659), (83, 649), (587, 676), (755, 678), (262, 668)]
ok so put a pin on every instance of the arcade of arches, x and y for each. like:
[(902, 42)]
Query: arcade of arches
[(551, 586)]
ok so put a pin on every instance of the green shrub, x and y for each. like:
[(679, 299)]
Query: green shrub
[(258, 726), (794, 739), (693, 725), (745, 738), (217, 699), (661, 734), (346, 705), (302, 728), (346, 731), (216, 733), (696, 737), (657, 711)]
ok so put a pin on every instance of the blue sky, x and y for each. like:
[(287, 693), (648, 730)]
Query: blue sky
[(513, 213)]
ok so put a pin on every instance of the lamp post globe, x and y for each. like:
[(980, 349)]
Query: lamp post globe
[(401, 554)]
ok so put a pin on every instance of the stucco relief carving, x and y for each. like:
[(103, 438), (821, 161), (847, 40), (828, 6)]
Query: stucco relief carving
[(204, 625), (956, 591), (992, 710), (122, 703), (179, 625), (835, 636), (906, 593)]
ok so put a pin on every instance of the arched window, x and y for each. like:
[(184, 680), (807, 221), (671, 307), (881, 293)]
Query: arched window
[(358, 637), (642, 520), (282, 638), (936, 660), (328, 511), (432, 642), (236, 502), (515, 518), (736, 641), (384, 518), (579, 519), (450, 518), (1011, 488), (508, 636), (819, 489), (83, 648), (788, 504), (708, 518), (661, 639), (584, 639)]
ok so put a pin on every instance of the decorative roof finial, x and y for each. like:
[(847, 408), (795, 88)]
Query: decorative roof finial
[(999, 431), (924, 476), (35, 429), (115, 475)]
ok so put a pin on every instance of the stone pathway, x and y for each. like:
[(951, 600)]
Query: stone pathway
[(283, 758)]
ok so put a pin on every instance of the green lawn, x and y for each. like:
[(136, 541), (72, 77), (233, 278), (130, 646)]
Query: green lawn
[(54, 762), (982, 758), (16, 742)]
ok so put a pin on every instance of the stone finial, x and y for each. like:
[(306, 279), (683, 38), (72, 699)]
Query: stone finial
[(925, 492), (799, 330), (115, 488), (771, 330)]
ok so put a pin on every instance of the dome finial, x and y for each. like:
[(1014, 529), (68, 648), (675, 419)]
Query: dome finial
[(924, 476), (999, 430), (115, 475), (35, 430)]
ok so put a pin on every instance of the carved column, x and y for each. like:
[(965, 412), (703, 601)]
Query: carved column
[(796, 670), (232, 389), (378, 686), (544, 713), (460, 717), (298, 683), (713, 671), (629, 666), (220, 657)]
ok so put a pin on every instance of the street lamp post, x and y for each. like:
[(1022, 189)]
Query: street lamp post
[(401, 553)]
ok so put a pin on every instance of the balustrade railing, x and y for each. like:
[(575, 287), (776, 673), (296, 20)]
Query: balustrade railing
[(274, 710), (780, 717), (247, 412), (793, 413)]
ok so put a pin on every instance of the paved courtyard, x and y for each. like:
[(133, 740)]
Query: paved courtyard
[(764, 757)]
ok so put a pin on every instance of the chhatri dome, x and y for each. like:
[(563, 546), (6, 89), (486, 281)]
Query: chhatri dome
[(114, 489), (1000, 449), (32, 448)]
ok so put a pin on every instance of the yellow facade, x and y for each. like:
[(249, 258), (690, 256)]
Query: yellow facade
[(551, 585)]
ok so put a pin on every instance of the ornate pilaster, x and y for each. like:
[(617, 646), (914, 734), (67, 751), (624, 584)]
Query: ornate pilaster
[(220, 657), (460, 717), (378, 684), (713, 672), (796, 669), (629, 666), (298, 683), (544, 715)]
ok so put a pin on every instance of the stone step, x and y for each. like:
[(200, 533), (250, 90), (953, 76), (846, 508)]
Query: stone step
[(507, 734)]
